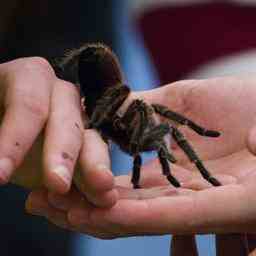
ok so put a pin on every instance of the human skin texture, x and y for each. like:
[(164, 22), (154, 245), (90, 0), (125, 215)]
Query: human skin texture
[(222, 104), (42, 132)]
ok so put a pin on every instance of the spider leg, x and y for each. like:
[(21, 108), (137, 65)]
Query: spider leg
[(156, 133), (166, 168), (136, 120), (136, 171), (129, 113), (167, 113), (154, 139), (108, 104), (188, 150), (137, 106), (167, 154)]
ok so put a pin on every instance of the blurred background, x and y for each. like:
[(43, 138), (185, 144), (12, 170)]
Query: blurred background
[(157, 42)]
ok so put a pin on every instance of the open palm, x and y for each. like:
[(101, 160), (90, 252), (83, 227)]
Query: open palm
[(222, 104)]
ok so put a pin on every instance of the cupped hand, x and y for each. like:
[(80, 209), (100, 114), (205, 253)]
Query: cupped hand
[(42, 131), (222, 104)]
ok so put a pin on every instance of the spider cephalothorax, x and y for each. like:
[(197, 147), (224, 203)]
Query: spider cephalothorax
[(135, 130)]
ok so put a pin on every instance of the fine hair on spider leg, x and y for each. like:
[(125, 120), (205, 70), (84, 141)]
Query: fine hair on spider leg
[(166, 168), (188, 150)]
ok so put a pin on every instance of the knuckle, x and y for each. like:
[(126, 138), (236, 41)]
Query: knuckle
[(36, 107), (28, 65), (39, 64), (21, 76), (31, 67)]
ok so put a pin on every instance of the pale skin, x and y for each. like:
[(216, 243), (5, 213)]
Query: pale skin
[(223, 104), (42, 132), (42, 120)]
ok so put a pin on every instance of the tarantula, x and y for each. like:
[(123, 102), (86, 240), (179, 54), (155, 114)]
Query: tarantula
[(97, 71)]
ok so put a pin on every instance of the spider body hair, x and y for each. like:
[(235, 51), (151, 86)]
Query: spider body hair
[(94, 67), (97, 71)]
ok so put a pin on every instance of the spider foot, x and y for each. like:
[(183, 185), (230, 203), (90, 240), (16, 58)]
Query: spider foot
[(136, 186), (210, 133), (136, 171), (214, 181), (173, 181)]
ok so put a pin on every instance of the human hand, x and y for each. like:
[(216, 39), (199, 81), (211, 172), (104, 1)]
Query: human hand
[(41, 122), (223, 104)]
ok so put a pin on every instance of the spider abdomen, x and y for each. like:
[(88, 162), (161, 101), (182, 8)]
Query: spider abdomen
[(98, 69)]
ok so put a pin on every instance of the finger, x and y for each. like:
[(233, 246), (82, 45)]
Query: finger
[(26, 110), (199, 212), (93, 217), (82, 209), (198, 183), (123, 181), (97, 179), (40, 201), (64, 202), (63, 137), (183, 245), (72, 201), (37, 204), (55, 206)]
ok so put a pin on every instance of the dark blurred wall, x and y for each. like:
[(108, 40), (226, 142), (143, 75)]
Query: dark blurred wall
[(47, 28), (43, 28)]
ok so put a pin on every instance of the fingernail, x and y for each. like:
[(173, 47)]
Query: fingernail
[(6, 169), (63, 173)]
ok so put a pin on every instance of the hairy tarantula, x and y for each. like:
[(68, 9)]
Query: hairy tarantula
[(97, 71)]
